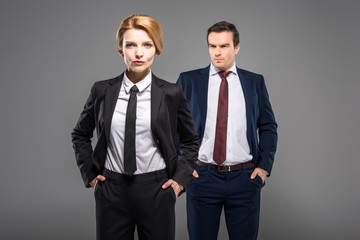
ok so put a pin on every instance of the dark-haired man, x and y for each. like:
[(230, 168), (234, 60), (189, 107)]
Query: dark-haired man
[(238, 132)]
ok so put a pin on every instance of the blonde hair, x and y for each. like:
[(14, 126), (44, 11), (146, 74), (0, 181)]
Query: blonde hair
[(144, 22)]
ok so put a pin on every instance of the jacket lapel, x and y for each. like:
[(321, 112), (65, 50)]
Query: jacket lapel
[(245, 84), (111, 95), (203, 87), (156, 98)]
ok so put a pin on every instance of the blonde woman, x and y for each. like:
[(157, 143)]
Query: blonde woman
[(134, 168)]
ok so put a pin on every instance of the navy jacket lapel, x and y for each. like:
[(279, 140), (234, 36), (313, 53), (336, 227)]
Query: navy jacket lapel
[(246, 86), (203, 87)]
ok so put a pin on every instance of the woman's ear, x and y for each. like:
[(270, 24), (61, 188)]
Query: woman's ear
[(121, 53)]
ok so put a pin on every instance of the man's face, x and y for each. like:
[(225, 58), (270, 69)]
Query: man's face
[(221, 49)]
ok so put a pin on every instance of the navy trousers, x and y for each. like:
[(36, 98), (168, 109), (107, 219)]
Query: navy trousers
[(236, 192)]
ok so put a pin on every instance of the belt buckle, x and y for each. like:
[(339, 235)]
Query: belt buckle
[(228, 169)]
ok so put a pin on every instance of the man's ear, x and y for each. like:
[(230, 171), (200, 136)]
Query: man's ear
[(237, 48)]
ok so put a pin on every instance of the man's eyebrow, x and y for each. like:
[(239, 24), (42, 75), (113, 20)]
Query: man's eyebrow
[(221, 45)]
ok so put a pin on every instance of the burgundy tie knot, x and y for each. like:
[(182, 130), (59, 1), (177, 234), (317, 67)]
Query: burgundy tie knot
[(224, 74)]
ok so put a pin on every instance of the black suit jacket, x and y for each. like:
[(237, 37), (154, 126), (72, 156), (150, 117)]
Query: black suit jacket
[(170, 115)]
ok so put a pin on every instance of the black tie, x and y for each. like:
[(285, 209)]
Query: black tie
[(129, 142)]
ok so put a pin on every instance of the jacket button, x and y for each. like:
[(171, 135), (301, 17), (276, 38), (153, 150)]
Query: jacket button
[(157, 141)]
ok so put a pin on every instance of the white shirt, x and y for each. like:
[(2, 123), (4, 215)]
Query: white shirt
[(237, 146), (148, 157)]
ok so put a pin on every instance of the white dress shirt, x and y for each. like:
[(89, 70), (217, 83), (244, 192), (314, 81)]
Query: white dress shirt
[(148, 157), (237, 146)]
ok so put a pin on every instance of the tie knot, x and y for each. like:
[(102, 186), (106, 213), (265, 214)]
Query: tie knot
[(134, 89), (224, 74)]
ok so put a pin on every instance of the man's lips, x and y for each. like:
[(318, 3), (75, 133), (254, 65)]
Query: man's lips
[(139, 62)]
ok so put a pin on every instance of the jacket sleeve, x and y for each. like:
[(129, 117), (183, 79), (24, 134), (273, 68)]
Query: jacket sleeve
[(267, 130), (81, 139), (188, 145)]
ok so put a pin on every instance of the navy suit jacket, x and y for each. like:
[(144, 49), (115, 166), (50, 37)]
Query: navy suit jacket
[(170, 115), (261, 125)]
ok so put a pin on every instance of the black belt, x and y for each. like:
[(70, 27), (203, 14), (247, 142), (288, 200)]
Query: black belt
[(226, 168), (136, 178)]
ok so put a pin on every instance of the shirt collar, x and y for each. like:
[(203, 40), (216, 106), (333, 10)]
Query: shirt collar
[(140, 85), (214, 70)]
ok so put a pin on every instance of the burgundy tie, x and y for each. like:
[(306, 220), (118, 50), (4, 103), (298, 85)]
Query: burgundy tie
[(221, 121)]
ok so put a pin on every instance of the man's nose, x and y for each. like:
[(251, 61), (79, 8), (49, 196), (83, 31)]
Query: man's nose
[(217, 51)]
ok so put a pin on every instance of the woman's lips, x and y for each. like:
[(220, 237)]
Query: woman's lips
[(139, 63)]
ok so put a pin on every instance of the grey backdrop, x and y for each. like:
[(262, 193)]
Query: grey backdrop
[(308, 51)]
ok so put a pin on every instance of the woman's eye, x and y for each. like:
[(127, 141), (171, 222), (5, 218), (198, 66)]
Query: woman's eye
[(148, 45), (129, 45)]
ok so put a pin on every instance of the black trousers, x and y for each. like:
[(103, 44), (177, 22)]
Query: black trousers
[(123, 202)]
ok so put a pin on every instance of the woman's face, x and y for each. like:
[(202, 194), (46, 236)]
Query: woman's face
[(138, 51)]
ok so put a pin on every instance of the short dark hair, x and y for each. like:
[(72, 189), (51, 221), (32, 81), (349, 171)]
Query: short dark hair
[(222, 27)]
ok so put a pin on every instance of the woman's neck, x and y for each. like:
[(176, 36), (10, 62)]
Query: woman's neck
[(136, 77)]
